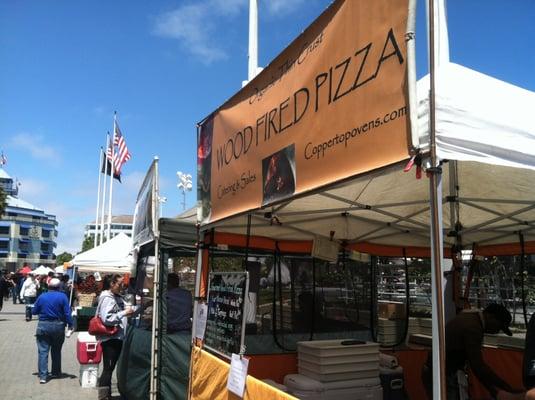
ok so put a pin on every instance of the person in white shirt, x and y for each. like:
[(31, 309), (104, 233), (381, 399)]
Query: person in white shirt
[(28, 293)]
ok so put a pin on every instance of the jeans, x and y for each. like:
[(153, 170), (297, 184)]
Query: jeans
[(50, 336), (15, 294), (452, 384), (111, 349), (29, 301)]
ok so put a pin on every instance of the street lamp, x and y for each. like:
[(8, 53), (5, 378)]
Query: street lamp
[(184, 184)]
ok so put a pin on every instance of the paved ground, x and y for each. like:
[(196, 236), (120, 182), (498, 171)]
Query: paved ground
[(18, 362)]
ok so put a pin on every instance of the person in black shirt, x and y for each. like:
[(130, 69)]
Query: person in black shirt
[(464, 341), (528, 368), (179, 306)]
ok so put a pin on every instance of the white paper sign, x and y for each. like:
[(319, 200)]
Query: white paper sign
[(237, 374), (200, 324)]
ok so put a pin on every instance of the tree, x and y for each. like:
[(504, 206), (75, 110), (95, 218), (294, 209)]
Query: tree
[(63, 258), (88, 243), (3, 202)]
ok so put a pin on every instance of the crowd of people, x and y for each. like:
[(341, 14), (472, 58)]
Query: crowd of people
[(51, 297)]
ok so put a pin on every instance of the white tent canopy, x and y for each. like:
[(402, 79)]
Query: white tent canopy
[(42, 270), (479, 118), (488, 195), (113, 256)]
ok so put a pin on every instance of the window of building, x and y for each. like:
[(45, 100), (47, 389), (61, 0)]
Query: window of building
[(4, 230), (4, 245), (3, 255), (45, 248), (24, 246), (46, 233), (24, 231), (20, 255)]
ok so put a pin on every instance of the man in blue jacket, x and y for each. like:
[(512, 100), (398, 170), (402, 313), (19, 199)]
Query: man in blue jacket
[(54, 313)]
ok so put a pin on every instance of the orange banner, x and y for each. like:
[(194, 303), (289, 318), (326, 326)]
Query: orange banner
[(332, 105)]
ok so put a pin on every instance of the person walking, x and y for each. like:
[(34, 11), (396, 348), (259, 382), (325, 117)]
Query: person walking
[(54, 313), (28, 293), (15, 286), (20, 281), (112, 311), (4, 287)]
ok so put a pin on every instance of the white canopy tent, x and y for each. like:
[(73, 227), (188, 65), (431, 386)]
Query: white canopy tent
[(489, 195), (42, 270), (485, 142), (113, 256)]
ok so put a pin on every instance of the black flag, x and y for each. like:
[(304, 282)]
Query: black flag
[(106, 168)]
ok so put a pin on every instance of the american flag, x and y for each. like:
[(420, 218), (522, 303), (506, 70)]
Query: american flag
[(122, 155)]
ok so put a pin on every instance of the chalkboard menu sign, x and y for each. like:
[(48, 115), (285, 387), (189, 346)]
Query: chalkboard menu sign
[(225, 323)]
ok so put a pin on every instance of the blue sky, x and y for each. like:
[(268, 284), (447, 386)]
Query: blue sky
[(164, 65)]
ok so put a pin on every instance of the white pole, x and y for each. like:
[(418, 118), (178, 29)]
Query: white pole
[(435, 188), (103, 205), (111, 175), (156, 328), (253, 39), (98, 199)]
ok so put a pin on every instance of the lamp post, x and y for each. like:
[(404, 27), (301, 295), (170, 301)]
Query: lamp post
[(185, 184)]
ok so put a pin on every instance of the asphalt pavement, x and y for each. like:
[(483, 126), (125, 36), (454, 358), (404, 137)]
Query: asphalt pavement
[(18, 362)]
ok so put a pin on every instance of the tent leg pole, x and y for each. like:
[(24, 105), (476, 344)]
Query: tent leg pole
[(438, 349), (435, 199)]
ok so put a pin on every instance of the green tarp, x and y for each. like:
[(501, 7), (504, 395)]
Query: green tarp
[(133, 367)]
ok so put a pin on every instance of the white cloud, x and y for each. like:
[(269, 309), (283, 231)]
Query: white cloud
[(71, 223), (100, 110), (193, 26), (283, 6), (31, 188), (35, 146), (196, 25)]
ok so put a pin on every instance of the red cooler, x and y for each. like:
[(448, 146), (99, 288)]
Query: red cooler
[(88, 349)]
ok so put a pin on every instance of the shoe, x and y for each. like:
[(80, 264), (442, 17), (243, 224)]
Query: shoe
[(42, 381)]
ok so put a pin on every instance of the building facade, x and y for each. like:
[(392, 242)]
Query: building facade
[(119, 223), (27, 233)]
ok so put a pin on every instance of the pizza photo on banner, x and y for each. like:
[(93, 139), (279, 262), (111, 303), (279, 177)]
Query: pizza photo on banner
[(331, 106)]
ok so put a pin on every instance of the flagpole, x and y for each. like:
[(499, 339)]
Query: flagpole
[(103, 205), (112, 174), (98, 198), (253, 39)]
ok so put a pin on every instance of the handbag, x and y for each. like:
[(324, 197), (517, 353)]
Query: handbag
[(98, 328)]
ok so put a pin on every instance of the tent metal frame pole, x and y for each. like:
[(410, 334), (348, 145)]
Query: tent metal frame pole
[(497, 201), (501, 218), (512, 233), (303, 231), (155, 348), (388, 224), (371, 208), (347, 209), (435, 197), (490, 211)]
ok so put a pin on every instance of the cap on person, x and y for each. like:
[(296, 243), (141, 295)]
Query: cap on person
[(501, 314), (54, 283)]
